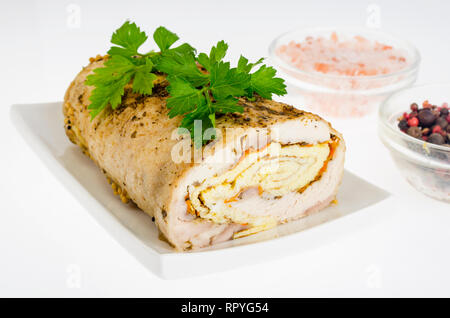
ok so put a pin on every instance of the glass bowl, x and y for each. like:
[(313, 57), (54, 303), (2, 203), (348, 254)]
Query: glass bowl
[(425, 166), (343, 96)]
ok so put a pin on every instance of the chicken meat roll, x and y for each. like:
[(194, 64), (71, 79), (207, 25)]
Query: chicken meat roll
[(267, 166)]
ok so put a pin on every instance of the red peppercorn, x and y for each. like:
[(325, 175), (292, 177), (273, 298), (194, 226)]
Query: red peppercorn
[(414, 107), (437, 129), (406, 115), (448, 118), (412, 122), (424, 138)]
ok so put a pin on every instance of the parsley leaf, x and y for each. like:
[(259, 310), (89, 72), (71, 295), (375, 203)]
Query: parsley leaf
[(183, 97), (184, 49), (164, 38), (123, 65), (226, 81), (109, 82), (264, 82), (129, 37), (245, 66), (227, 105), (203, 59), (181, 64), (143, 78), (216, 54), (197, 122)]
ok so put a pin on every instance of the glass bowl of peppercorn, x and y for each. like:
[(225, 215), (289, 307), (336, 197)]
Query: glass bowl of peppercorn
[(414, 124)]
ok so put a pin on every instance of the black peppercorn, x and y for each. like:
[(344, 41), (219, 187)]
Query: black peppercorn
[(441, 121), (437, 139), (436, 112), (426, 117), (403, 125), (415, 132)]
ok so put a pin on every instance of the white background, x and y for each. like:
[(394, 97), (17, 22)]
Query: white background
[(47, 239)]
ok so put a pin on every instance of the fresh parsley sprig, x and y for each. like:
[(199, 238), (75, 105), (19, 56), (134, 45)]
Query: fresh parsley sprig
[(126, 64), (195, 94), (199, 96)]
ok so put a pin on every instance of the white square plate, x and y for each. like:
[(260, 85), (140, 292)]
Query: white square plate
[(41, 125)]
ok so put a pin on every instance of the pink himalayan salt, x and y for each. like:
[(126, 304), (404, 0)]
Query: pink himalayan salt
[(356, 56)]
